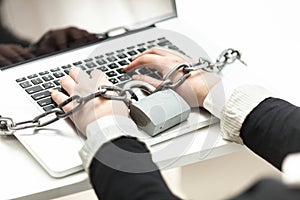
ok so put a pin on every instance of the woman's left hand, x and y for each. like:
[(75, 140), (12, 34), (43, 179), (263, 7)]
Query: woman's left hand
[(80, 83)]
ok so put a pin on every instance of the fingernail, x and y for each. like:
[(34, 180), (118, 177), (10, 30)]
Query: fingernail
[(52, 91), (133, 58)]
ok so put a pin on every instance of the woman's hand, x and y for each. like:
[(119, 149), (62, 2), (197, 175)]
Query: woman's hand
[(193, 90), (80, 83)]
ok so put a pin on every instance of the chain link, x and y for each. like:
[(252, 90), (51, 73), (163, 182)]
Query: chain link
[(227, 56), (8, 126)]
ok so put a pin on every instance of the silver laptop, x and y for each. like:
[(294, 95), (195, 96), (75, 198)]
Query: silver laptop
[(25, 86)]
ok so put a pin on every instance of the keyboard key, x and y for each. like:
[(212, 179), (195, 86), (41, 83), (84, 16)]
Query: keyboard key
[(25, 84), (58, 89), (151, 41), (43, 73), (45, 102), (132, 53), (34, 89), (111, 59), (67, 71), (163, 43), (111, 74), (41, 95), (162, 38), (77, 63), (32, 76), (150, 46), (131, 47), (120, 50), (81, 67), (47, 78), (141, 50), (110, 54), (99, 57), (173, 47), (57, 82), (122, 56), (103, 68), (113, 66), (88, 60), (36, 81), (101, 62), (48, 85), (120, 71), (113, 80), (141, 44), (181, 52), (131, 73), (49, 107), (21, 79), (54, 69), (58, 74), (91, 65), (89, 71), (123, 62), (124, 77), (66, 66)]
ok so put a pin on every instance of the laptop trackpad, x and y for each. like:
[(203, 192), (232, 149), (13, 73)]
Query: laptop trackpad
[(55, 150)]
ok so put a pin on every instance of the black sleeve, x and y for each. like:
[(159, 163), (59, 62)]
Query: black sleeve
[(269, 189), (123, 169), (272, 130)]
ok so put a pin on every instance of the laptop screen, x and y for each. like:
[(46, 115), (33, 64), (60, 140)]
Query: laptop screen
[(25, 22)]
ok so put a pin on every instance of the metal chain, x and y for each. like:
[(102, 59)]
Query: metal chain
[(8, 126), (227, 56)]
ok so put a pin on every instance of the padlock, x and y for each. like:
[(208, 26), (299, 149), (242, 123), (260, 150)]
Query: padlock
[(159, 111)]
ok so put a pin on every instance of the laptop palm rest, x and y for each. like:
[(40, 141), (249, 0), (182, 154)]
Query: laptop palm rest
[(54, 149)]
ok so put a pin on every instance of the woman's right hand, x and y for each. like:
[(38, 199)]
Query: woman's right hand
[(193, 90)]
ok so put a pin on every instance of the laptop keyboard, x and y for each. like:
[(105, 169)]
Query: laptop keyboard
[(112, 63)]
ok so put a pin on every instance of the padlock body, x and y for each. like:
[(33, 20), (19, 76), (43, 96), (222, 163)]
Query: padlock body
[(159, 111)]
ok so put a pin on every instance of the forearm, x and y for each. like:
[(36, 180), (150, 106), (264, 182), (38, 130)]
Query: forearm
[(120, 166), (272, 130), (123, 169)]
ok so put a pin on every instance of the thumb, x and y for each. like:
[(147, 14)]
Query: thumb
[(153, 81)]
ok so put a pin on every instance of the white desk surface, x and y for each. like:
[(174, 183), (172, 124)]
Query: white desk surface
[(265, 31)]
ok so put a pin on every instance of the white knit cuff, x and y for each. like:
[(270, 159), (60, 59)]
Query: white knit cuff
[(102, 131), (243, 100)]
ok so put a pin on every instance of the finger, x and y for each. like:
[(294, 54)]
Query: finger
[(154, 82), (98, 78), (78, 75), (68, 84), (155, 50), (151, 60), (59, 97)]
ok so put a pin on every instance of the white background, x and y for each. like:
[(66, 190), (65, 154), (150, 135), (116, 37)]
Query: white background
[(267, 32)]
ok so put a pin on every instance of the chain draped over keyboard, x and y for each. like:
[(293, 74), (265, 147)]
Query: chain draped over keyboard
[(112, 63)]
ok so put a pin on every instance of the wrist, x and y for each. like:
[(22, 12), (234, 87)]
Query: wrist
[(204, 84)]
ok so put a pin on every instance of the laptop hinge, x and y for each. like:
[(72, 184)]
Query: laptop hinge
[(120, 31)]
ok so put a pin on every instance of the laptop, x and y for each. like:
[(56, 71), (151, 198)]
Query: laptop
[(25, 85)]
